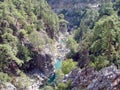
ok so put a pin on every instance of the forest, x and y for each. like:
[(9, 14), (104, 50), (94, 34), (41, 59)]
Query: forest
[(59, 44)]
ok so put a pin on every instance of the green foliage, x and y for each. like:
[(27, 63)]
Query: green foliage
[(86, 24), (24, 53), (7, 55), (62, 23), (68, 65), (105, 42), (8, 30), (61, 16), (4, 77), (60, 75), (100, 35), (21, 82), (36, 39), (8, 38), (25, 26), (106, 8), (24, 22), (117, 5), (48, 16), (64, 86), (29, 28), (99, 62), (72, 44), (22, 33), (40, 25)]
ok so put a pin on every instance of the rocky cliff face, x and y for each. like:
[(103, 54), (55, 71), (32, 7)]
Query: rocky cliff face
[(44, 62), (73, 9), (70, 3), (89, 79)]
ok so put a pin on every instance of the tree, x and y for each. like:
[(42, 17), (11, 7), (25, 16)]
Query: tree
[(68, 65), (37, 40), (105, 41), (116, 5), (86, 24), (72, 44), (8, 59), (11, 40), (106, 8)]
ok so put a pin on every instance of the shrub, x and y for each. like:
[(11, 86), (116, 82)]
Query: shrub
[(68, 65), (72, 44), (36, 39), (4, 77)]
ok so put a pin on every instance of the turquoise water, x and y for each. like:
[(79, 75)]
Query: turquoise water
[(58, 64), (52, 78), (61, 41)]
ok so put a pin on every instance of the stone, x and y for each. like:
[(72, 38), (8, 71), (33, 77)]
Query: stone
[(7, 86), (44, 64), (106, 79)]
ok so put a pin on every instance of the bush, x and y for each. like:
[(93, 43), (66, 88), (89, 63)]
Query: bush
[(11, 40), (60, 75), (37, 39), (4, 77), (72, 44), (24, 53), (99, 62), (68, 65), (6, 56), (64, 86), (22, 33)]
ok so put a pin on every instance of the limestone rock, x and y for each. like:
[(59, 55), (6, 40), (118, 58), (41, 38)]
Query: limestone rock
[(7, 86), (44, 63), (90, 79)]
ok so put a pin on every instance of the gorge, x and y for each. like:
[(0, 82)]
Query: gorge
[(59, 44)]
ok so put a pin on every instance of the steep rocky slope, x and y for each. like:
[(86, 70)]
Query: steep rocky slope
[(89, 79), (73, 10), (27, 36), (34, 43)]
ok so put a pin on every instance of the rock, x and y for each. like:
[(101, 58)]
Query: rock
[(84, 77), (89, 79), (41, 67), (70, 7), (71, 75), (44, 63), (108, 78), (7, 86)]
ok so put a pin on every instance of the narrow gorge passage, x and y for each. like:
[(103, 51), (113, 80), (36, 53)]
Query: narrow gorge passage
[(62, 50), (59, 44)]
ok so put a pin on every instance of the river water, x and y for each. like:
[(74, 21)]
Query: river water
[(58, 64), (62, 51)]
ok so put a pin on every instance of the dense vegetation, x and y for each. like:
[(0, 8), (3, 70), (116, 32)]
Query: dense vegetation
[(74, 11), (22, 24), (26, 26), (98, 36)]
